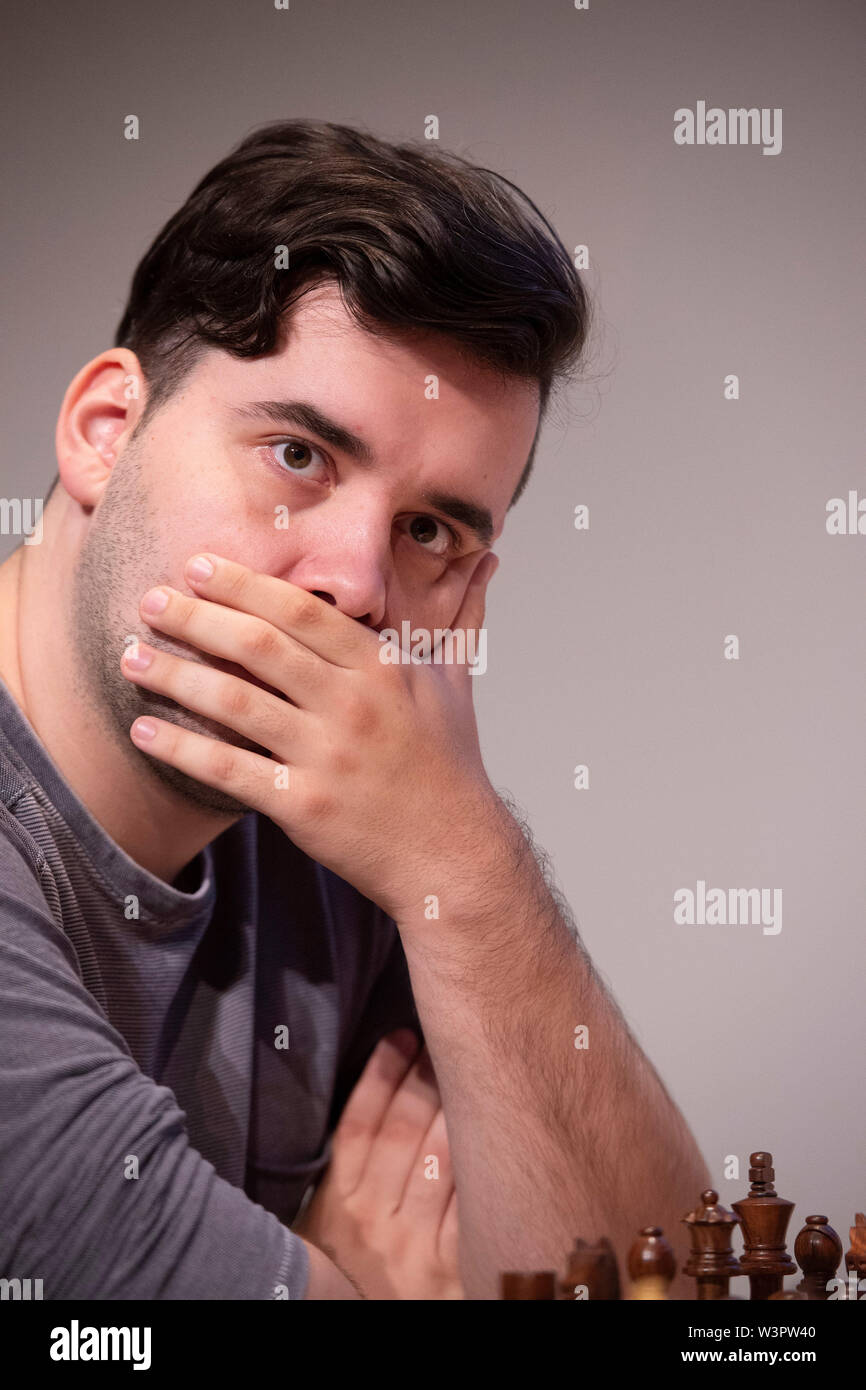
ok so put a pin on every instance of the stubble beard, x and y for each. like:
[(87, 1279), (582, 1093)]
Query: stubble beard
[(117, 564)]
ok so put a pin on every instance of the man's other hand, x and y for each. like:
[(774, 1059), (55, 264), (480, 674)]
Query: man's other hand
[(386, 1209)]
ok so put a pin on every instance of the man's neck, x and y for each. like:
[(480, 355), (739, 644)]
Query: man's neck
[(153, 824)]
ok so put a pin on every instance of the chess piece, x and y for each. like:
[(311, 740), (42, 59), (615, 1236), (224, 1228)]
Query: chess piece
[(855, 1258), (818, 1251), (528, 1284), (712, 1261), (594, 1268), (651, 1264), (651, 1288), (787, 1295), (764, 1217)]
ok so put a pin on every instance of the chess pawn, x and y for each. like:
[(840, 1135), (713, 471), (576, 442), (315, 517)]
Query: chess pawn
[(651, 1264), (528, 1284), (594, 1268), (818, 1251), (712, 1261), (764, 1217)]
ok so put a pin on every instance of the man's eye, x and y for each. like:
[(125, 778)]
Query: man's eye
[(299, 457), (433, 535)]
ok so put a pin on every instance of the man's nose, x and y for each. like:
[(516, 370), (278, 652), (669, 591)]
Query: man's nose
[(349, 571), (367, 617)]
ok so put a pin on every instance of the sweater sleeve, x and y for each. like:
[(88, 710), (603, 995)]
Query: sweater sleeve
[(102, 1195)]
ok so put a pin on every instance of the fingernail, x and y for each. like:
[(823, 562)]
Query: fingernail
[(143, 730), (137, 658), (155, 601), (199, 568)]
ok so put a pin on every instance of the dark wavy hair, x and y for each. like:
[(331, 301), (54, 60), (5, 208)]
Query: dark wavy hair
[(418, 241)]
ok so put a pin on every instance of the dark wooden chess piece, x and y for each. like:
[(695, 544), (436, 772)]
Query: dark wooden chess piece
[(651, 1264), (787, 1295), (712, 1261), (855, 1258), (593, 1267), (818, 1251), (764, 1217), (528, 1284)]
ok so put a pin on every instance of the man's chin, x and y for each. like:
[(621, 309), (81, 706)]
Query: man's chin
[(196, 793)]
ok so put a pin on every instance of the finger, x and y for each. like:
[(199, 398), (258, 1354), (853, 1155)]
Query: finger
[(471, 614), (247, 641), (430, 1180), (365, 1110), (395, 1147), (313, 622), (249, 777), (228, 700), (470, 617)]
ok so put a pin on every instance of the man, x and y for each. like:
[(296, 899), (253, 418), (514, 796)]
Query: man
[(241, 851)]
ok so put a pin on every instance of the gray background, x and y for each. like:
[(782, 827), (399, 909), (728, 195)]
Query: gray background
[(707, 516)]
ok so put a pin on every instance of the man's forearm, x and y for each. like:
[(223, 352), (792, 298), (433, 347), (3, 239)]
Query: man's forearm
[(548, 1141)]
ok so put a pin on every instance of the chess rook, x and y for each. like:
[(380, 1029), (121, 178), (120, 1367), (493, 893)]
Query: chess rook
[(594, 1268)]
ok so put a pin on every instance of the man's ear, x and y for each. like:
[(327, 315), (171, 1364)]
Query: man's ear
[(100, 410)]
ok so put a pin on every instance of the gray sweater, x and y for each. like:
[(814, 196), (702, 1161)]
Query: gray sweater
[(173, 1059)]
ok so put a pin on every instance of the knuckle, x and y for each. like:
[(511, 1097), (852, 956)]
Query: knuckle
[(222, 763), (351, 1129), (401, 1132), (304, 611), (261, 641), (171, 739), (181, 609), (318, 806), (237, 699), (236, 580)]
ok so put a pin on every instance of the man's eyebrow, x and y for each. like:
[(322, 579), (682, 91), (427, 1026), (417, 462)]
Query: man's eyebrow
[(469, 514), (308, 417)]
